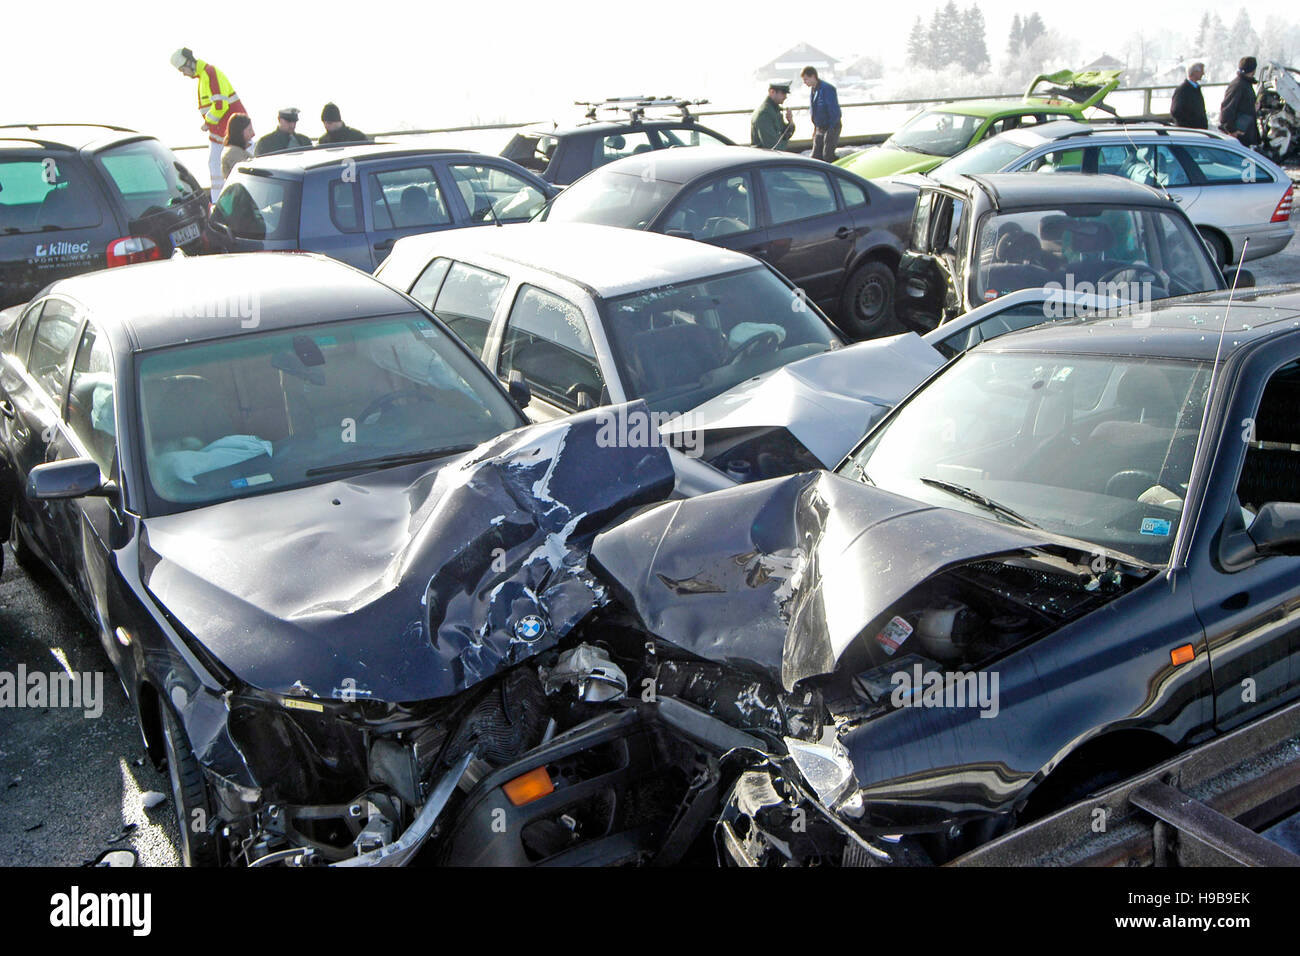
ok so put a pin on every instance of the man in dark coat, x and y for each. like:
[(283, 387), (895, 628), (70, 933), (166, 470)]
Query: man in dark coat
[(1237, 114), (1188, 105), (767, 128), (337, 131), (284, 136)]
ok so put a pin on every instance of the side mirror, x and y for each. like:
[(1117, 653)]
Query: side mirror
[(1245, 279), (1276, 529), (72, 478), (518, 389)]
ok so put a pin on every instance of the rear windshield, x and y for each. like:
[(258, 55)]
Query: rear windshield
[(531, 150), (44, 194), (147, 177), (258, 207)]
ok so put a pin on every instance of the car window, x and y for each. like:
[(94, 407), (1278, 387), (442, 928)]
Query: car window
[(425, 289), (947, 219), (794, 194), (609, 197), (1008, 123), (406, 198), (1059, 161), (853, 194), (547, 341), (40, 194), (617, 145), (258, 207), (467, 302), (90, 399), (718, 208), (345, 206), (1271, 470), (52, 347), (919, 233), (1150, 164), (936, 133), (23, 342), (689, 136), (1017, 317), (531, 150), (1220, 165), (147, 177), (495, 194)]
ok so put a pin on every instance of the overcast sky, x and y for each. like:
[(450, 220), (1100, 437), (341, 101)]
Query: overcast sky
[(435, 64)]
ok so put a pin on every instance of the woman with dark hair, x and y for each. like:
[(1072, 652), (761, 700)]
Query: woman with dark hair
[(239, 136)]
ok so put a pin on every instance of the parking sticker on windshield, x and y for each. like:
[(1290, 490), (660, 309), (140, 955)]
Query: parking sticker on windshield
[(250, 480), (1158, 527), (894, 634)]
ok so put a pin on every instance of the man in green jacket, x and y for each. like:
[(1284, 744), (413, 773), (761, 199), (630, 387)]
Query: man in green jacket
[(766, 126), (284, 136)]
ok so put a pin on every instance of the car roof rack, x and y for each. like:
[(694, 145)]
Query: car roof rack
[(635, 106), (1160, 129)]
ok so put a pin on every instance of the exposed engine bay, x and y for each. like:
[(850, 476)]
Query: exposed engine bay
[(1277, 104)]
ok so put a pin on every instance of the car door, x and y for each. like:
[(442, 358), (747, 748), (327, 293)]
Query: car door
[(35, 392), (465, 297), (723, 211), (548, 340), (1251, 608), (402, 200), (489, 193), (929, 275), (810, 235), (1235, 191)]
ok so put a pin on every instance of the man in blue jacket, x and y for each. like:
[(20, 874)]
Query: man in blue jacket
[(825, 115)]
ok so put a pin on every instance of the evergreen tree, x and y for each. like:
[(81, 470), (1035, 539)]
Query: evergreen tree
[(934, 42), (975, 52), (1017, 38), (918, 52), (1033, 29)]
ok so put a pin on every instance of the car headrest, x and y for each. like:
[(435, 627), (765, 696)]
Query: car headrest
[(1052, 228)]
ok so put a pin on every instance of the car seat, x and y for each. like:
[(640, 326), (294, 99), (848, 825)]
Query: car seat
[(414, 208), (676, 355)]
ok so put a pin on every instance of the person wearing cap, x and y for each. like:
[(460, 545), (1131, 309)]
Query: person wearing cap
[(218, 102), (337, 131), (283, 136), (1237, 115), (824, 111), (767, 128)]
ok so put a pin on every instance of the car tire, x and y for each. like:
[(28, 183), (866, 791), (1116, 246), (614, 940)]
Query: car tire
[(189, 796), (1218, 248), (867, 303), (27, 558)]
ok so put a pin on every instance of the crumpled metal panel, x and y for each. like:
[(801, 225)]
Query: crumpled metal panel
[(409, 583), (784, 574)]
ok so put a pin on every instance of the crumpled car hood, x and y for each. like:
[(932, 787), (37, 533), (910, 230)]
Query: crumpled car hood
[(826, 401), (783, 574), (403, 584)]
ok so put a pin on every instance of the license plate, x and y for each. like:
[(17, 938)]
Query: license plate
[(188, 234)]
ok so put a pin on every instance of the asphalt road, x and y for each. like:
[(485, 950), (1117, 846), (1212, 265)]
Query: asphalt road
[(73, 786)]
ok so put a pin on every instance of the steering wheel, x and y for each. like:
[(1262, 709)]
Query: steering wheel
[(383, 402), (1138, 269), (751, 346), (1122, 483)]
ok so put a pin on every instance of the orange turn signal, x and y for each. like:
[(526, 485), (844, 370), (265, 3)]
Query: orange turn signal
[(531, 786), (1181, 655)]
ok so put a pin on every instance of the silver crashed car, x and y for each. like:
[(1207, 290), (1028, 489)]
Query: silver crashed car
[(1229, 191)]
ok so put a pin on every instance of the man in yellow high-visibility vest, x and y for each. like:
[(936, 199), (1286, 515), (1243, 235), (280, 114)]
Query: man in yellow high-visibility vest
[(218, 102)]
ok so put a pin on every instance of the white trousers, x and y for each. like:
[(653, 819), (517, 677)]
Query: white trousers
[(214, 167)]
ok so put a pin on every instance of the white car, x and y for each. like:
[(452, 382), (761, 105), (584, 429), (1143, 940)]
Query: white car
[(1230, 192)]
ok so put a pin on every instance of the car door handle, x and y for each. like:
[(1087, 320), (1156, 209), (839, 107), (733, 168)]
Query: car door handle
[(1175, 197), (7, 409), (844, 232)]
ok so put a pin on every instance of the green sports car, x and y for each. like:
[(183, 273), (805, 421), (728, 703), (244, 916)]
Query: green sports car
[(934, 134)]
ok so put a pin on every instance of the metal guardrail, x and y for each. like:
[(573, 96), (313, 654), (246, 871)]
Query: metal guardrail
[(850, 140)]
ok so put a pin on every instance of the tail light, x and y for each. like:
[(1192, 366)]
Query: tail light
[(1283, 211), (131, 249)]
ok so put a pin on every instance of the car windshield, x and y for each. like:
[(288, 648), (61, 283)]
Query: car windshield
[(680, 345), (1097, 448), (1138, 254), (936, 132), (147, 177), (275, 410), (611, 198), (989, 156)]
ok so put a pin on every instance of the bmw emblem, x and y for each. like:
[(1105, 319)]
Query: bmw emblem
[(529, 628)]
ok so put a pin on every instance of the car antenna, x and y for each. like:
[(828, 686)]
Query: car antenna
[(1205, 413)]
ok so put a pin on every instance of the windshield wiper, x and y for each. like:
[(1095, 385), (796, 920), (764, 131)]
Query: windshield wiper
[(970, 494), (390, 461)]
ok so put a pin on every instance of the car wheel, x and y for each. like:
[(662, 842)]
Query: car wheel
[(1218, 248), (23, 554), (867, 304), (189, 796)]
